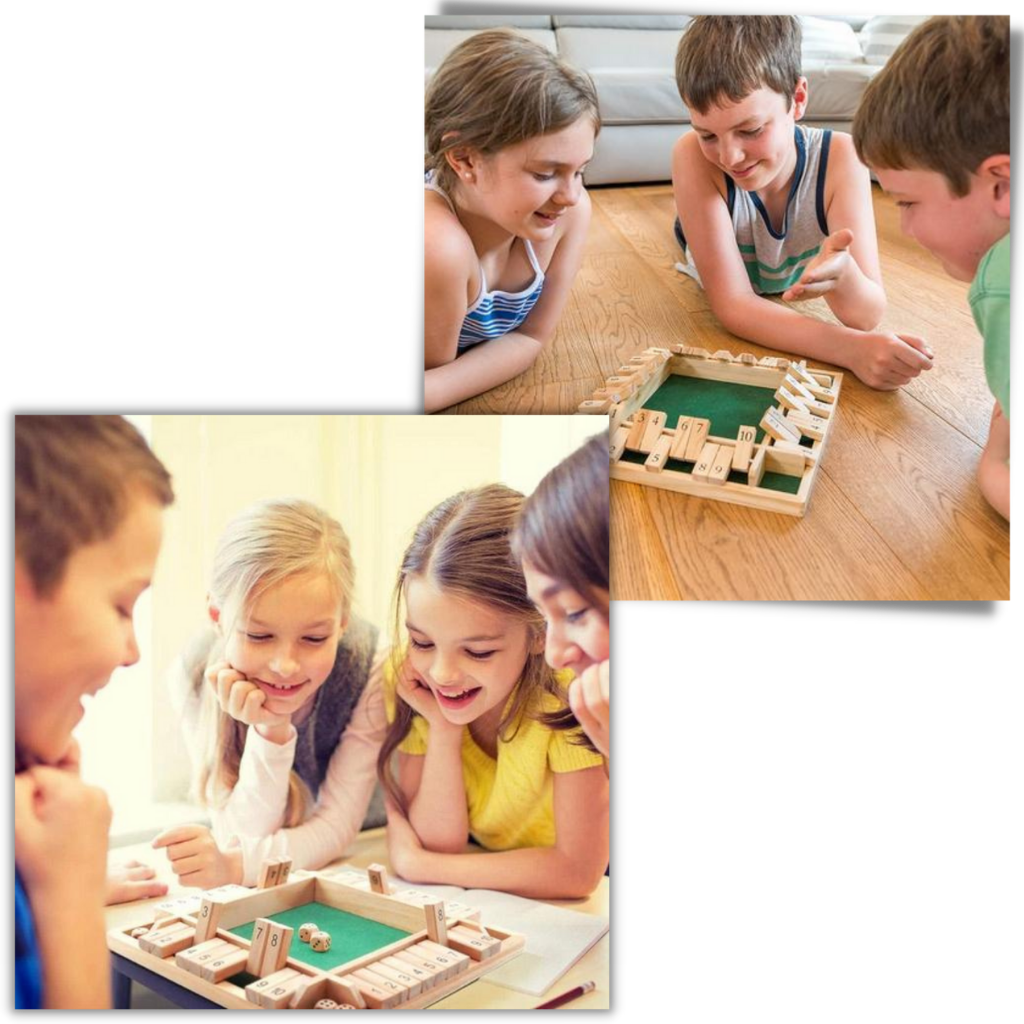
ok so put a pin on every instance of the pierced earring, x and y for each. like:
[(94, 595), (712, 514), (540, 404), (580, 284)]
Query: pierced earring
[(468, 176)]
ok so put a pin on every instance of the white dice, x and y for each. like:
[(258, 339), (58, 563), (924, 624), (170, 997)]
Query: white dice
[(306, 931), (320, 941)]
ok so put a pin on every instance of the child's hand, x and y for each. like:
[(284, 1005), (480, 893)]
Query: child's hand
[(60, 834), (825, 272), (588, 699), (197, 859), (132, 881), (888, 361), (417, 694), (241, 699)]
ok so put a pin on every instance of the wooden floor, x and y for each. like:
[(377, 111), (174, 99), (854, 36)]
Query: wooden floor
[(895, 514)]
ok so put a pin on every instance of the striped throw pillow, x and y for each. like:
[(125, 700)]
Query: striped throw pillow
[(881, 35)]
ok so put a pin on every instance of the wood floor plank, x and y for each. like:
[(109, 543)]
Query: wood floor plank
[(640, 569)]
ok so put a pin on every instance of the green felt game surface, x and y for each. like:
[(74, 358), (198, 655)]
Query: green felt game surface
[(729, 406), (351, 936)]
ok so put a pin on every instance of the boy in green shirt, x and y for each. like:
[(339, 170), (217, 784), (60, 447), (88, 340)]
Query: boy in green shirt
[(934, 125)]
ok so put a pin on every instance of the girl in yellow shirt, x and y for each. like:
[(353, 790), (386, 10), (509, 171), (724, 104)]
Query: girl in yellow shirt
[(471, 703)]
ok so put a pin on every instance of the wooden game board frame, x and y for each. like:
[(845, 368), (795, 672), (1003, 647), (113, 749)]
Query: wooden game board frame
[(625, 393), (242, 906)]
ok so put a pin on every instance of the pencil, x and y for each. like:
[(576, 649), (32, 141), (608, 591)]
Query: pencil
[(567, 997)]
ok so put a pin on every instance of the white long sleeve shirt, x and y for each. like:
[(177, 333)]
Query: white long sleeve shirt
[(253, 815)]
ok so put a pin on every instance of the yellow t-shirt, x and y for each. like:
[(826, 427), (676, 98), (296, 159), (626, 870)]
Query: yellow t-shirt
[(510, 799)]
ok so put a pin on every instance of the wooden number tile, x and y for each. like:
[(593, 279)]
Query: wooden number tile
[(284, 992), (656, 460), (595, 405), (462, 911), (275, 951), (652, 432), (799, 372), (744, 446), (255, 991), (376, 997), (808, 456), (258, 945), (369, 977), (474, 944), (284, 869), (409, 986), (724, 355), (461, 961), (618, 444), (797, 388), (810, 426), (436, 929), (788, 400), (756, 469), (699, 353), (702, 470), (748, 357), (224, 966), (822, 394), (418, 971), (268, 874), (168, 941), (636, 431), (698, 434), (207, 919), (822, 409), (721, 465), (682, 437), (378, 875), (774, 424), (439, 971), (194, 957)]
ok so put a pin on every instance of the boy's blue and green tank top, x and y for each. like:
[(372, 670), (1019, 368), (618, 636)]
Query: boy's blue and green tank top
[(990, 303), (28, 972)]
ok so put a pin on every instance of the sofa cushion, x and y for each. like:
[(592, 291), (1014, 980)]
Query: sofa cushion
[(826, 39), (592, 48), (638, 96), (882, 34), (440, 42), (835, 89)]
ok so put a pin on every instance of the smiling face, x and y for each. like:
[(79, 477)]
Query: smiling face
[(67, 645), (752, 140), (577, 630), (527, 187), (470, 654), (958, 230), (286, 641)]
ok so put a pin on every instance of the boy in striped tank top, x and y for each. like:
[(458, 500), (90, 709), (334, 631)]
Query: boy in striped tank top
[(768, 207), (509, 131)]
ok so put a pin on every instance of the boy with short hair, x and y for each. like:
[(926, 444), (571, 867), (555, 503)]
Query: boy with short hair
[(769, 207), (934, 125)]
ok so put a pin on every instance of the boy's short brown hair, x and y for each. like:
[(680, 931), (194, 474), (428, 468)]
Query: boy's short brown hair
[(73, 479), (728, 57), (942, 101)]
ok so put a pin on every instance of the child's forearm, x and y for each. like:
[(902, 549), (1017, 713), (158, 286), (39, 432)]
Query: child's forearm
[(994, 482), (483, 367), (859, 302), (73, 951), (543, 873), (775, 326), (438, 811)]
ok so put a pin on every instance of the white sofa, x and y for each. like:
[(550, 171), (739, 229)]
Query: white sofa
[(631, 58)]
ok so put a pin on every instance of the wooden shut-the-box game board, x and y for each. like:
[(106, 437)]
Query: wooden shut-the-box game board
[(716, 425), (389, 948)]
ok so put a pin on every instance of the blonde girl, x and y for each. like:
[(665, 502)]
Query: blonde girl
[(281, 707)]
